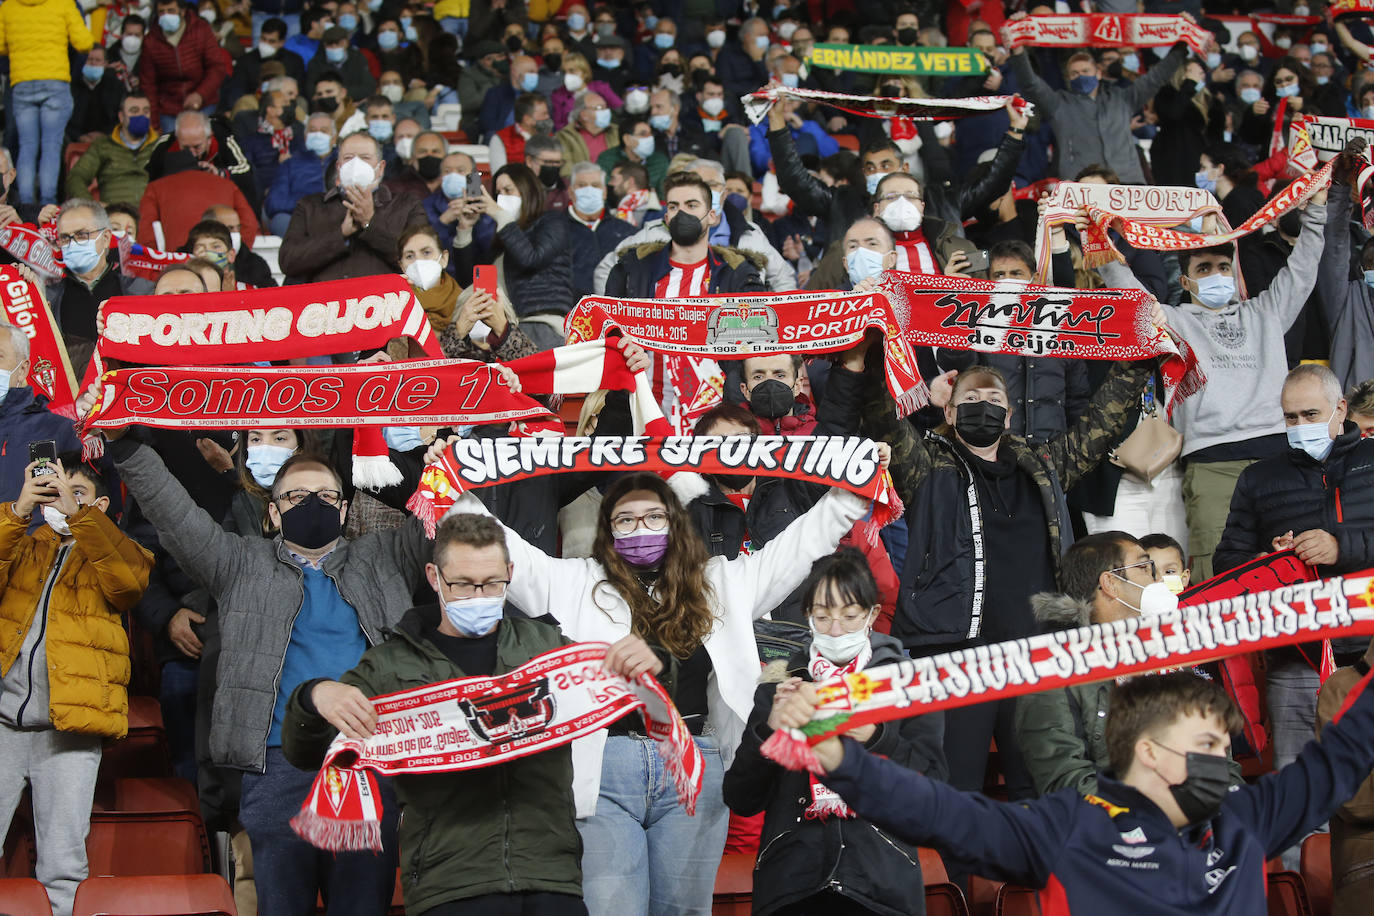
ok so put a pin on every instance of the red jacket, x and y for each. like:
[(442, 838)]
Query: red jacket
[(515, 143), (178, 200), (169, 74)]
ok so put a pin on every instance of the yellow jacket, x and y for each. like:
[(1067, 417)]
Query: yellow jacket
[(456, 9), (35, 34), (87, 648)]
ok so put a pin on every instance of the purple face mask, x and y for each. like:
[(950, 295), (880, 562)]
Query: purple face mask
[(642, 548)]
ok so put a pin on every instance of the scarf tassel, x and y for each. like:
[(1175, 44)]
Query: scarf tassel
[(354, 823), (788, 748)]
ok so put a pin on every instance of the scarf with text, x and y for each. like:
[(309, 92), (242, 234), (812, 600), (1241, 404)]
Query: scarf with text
[(1188, 636), (472, 722), (1352, 9), (850, 463), (757, 104), (739, 326), (1105, 30), (138, 260), (1008, 316), (50, 371), (899, 61), (34, 247), (1316, 139)]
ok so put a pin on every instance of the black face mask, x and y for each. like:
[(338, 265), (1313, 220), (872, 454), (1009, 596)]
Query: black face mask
[(891, 92), (685, 228), (699, 77), (670, 70), (980, 423), (732, 481), (1201, 793), (907, 36), (327, 105), (549, 176), (312, 525), (428, 166), (771, 399), (514, 44), (553, 62)]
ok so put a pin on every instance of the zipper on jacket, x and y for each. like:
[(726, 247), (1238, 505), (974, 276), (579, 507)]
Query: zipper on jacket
[(505, 808), (417, 858), (888, 841), (830, 879), (42, 633), (763, 852), (276, 682)]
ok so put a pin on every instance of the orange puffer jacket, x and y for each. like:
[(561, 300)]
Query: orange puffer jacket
[(87, 647)]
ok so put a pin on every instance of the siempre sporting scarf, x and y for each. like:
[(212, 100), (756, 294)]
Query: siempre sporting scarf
[(757, 103), (735, 327), (50, 372), (32, 247), (475, 722), (851, 463), (1106, 30), (1037, 321), (1188, 636)]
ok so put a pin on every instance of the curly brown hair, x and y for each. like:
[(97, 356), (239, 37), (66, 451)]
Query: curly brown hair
[(680, 613)]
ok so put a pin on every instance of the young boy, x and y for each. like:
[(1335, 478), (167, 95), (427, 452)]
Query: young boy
[(64, 657), (1170, 562), (1162, 835)]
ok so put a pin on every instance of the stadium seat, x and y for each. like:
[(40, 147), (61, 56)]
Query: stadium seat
[(1017, 901), (24, 897), (150, 794), (160, 895), (847, 141), (1316, 872), (945, 900), (1286, 894), (144, 751), (127, 843), (932, 866), (734, 891), (982, 895)]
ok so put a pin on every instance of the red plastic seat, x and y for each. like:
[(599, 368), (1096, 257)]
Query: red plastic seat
[(1316, 872), (127, 843), (847, 141), (734, 892), (945, 899), (160, 895), (24, 897), (1286, 895), (144, 751), (150, 794), (1013, 900), (982, 895), (932, 866)]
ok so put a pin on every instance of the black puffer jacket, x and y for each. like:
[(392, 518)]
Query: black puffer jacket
[(801, 856), (1294, 492), (538, 265)]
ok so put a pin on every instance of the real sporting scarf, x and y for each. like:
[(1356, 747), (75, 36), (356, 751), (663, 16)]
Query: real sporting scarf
[(757, 103), (898, 61), (1037, 321), (50, 372), (32, 247), (850, 463), (739, 326), (473, 722), (1105, 30), (1150, 204), (1186, 637)]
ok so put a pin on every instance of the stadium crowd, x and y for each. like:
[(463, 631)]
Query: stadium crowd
[(510, 157)]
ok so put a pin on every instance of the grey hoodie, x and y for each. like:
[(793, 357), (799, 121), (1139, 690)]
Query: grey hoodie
[(1347, 305)]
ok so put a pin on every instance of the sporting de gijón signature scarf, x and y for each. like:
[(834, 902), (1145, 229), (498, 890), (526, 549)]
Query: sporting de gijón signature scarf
[(474, 722), (1186, 637), (1008, 316), (739, 326), (1105, 30), (50, 372)]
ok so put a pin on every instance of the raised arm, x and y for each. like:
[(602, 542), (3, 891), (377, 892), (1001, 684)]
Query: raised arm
[(810, 195), (1288, 292), (1334, 287), (1144, 89)]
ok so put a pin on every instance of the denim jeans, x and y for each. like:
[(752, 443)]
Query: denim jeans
[(1292, 691), (178, 699), (288, 871), (41, 111), (641, 852)]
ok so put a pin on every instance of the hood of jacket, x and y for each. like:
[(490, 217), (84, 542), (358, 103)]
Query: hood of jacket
[(1061, 612)]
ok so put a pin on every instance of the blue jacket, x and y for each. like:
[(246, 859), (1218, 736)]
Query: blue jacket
[(300, 175), (811, 140), (498, 109), (25, 418), (1090, 855)]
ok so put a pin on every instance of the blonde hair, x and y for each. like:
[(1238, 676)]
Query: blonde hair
[(573, 61), (592, 405), (1201, 100)]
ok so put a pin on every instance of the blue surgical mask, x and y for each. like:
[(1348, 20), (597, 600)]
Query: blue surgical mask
[(93, 72), (1286, 92), (4, 384), (138, 126), (1195, 224), (530, 81), (739, 200), (1130, 63), (1214, 60), (589, 199), (711, 127), (761, 42), (1319, 47), (335, 55), (402, 438), (863, 263), (715, 201), (644, 147), (1249, 95), (1216, 291), (603, 118), (380, 129), (1084, 84), (663, 40), (611, 63), (1207, 184), (790, 80), (81, 257), (317, 141), (264, 461), (651, 22), (375, 5), (1369, 278), (169, 22), (577, 22), (404, 21), (412, 33), (660, 121), (454, 185), (388, 40), (475, 616), (348, 21), (1367, 112), (1312, 438)]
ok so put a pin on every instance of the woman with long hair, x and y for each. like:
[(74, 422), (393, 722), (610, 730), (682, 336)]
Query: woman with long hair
[(814, 855), (1191, 118), (649, 576)]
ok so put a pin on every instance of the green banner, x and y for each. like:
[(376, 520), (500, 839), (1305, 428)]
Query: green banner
[(899, 60)]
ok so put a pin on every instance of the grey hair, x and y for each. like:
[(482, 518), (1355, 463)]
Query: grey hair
[(363, 134), (1331, 386), (96, 208), (711, 164), (673, 98), (586, 168), (443, 141), (188, 115), (278, 83), (883, 230), (581, 104), (19, 338), (333, 129)]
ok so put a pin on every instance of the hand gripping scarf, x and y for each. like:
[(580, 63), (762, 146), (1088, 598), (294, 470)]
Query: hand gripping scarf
[(473, 722), (1007, 316), (50, 372), (1188, 636), (739, 326), (1105, 30)]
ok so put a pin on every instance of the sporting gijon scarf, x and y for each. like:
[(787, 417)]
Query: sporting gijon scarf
[(1186, 637), (1105, 30), (757, 104), (1007, 316), (475, 722), (50, 371)]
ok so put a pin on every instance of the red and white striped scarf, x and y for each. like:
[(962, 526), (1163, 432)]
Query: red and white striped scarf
[(684, 280), (914, 254)]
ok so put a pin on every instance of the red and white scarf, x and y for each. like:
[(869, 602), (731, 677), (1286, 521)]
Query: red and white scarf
[(914, 254), (757, 104), (474, 722), (631, 205), (825, 801), (50, 371), (1105, 30), (684, 281), (1352, 9), (34, 247)]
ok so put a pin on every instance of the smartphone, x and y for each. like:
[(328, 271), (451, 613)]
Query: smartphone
[(484, 278), (978, 260), (43, 451), (474, 188)]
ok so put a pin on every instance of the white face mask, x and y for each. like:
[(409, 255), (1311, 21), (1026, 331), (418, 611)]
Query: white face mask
[(572, 81), (1155, 598), (392, 92), (423, 273), (903, 215), (131, 44), (842, 649), (56, 521), (355, 173), (236, 242), (405, 146), (509, 202)]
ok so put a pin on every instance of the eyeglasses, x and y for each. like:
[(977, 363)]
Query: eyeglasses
[(296, 497), (911, 196), (84, 235), (1150, 563), (462, 588), (851, 617), (654, 520)]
